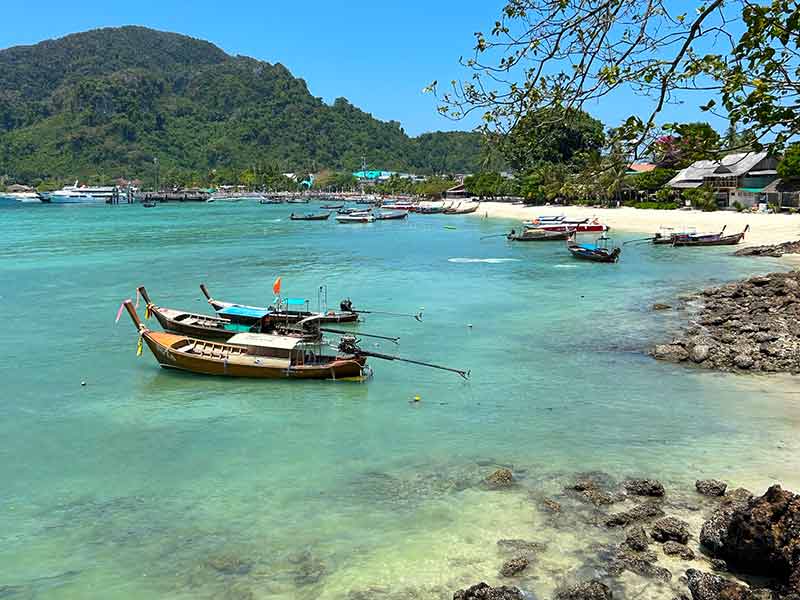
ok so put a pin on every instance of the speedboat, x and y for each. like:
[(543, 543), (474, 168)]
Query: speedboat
[(20, 198)]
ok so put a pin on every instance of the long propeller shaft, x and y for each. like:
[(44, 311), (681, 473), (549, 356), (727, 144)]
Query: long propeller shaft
[(417, 316), (464, 374)]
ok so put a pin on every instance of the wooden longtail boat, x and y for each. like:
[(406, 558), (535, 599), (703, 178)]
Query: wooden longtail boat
[(593, 252), (219, 328), (244, 314), (248, 355), (539, 235), (310, 217), (462, 211), (332, 206), (711, 240), (560, 223)]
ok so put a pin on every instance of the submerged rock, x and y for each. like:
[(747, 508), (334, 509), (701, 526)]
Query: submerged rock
[(670, 352), (590, 490), (641, 563), (660, 306), (482, 591), (677, 549), (502, 478), (710, 487), (551, 505), (589, 590), (670, 529), (640, 512), (644, 487), (228, 564), (705, 586), (514, 566), (520, 546)]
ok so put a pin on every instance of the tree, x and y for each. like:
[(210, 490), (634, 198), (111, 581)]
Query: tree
[(570, 54), (789, 167), (651, 180), (549, 136), (687, 143)]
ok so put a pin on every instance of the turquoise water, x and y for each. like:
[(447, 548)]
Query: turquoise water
[(146, 483)]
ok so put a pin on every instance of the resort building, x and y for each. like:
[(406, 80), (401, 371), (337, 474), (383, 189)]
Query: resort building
[(736, 178), (457, 192)]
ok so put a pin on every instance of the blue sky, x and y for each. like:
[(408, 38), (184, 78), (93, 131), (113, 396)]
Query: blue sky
[(379, 55)]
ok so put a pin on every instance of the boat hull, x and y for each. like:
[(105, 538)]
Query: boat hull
[(160, 345)]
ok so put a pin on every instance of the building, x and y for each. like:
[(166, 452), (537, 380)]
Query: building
[(637, 168), (457, 192), (784, 193), (735, 178)]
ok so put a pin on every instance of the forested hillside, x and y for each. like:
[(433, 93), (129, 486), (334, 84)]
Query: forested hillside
[(104, 103)]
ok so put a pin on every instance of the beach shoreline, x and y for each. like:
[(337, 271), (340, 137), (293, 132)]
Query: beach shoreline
[(764, 228)]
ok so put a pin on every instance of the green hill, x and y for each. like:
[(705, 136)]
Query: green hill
[(104, 103)]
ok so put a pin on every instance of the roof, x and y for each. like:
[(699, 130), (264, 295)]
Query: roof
[(263, 340), (782, 185), (750, 189), (641, 167), (731, 165), (244, 311)]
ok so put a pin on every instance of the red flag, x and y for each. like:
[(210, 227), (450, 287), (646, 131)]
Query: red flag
[(276, 287)]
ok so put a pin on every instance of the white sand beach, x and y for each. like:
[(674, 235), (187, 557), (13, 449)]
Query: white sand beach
[(764, 228)]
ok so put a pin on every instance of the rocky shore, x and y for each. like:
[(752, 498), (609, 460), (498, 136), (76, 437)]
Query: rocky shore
[(752, 543), (772, 250), (751, 326)]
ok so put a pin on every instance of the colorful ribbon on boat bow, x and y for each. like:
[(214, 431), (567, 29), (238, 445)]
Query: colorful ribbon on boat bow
[(138, 295), (119, 312), (147, 312), (139, 346)]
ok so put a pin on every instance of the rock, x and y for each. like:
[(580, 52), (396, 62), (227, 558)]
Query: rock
[(514, 566), (717, 564), (641, 563), (640, 512), (551, 505), (502, 478), (674, 548), (229, 564), (590, 590), (590, 490), (637, 539), (483, 591), (661, 306), (710, 487), (743, 361), (670, 353), (773, 250), (699, 353), (716, 526), (705, 586), (670, 528), (644, 487), (763, 537)]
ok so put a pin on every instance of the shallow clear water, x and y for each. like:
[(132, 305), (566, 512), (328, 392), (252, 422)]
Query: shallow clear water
[(152, 484)]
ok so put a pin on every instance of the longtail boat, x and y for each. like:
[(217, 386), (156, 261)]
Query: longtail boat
[(248, 355), (332, 206), (561, 223), (717, 239), (221, 329), (244, 314), (458, 210), (310, 217), (355, 218), (390, 216), (593, 252), (539, 235)]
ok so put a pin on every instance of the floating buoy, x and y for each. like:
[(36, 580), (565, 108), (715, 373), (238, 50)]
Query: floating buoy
[(449, 226), (469, 325), (83, 383), (417, 398)]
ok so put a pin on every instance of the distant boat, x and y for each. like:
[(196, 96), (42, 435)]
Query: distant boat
[(149, 204), (12, 198), (390, 216), (561, 223), (598, 252), (74, 194), (539, 235), (270, 201), (297, 201), (714, 239), (355, 218), (459, 210), (310, 217), (332, 206)]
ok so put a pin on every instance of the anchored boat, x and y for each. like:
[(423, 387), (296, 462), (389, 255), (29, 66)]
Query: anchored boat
[(244, 314), (249, 355), (598, 252), (539, 235), (713, 239), (310, 217)]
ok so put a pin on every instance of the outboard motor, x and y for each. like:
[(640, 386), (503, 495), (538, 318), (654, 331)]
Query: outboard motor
[(346, 305)]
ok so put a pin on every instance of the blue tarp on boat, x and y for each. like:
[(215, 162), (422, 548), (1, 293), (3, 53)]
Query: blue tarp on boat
[(244, 311), (294, 301)]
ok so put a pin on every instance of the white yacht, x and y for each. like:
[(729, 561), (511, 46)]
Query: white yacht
[(20, 197), (74, 194)]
